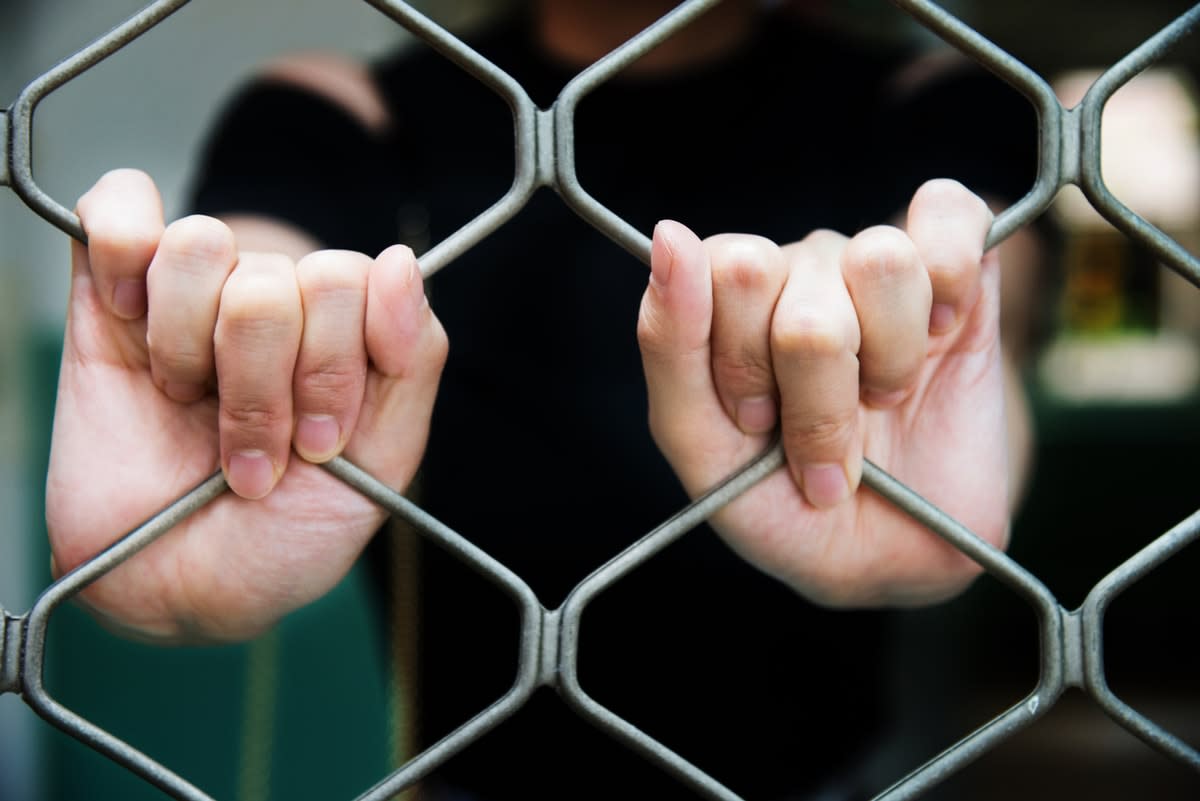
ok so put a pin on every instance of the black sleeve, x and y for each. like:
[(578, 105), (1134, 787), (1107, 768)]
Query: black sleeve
[(962, 123), (280, 151)]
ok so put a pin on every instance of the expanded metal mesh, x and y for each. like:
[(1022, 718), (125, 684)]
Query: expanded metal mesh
[(1072, 648)]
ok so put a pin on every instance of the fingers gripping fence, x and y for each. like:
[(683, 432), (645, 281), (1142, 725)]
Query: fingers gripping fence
[(1072, 648)]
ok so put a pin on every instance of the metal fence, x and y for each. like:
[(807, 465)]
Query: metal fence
[(1071, 641)]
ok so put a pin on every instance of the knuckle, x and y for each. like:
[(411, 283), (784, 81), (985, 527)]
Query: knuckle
[(817, 431), (177, 358), (744, 371), (115, 236), (197, 242), (882, 254), (128, 175), (118, 244), (334, 289), (332, 270), (881, 375), (806, 334), (331, 382), (741, 261), (823, 238), (261, 295), (951, 267), (113, 181), (943, 192), (253, 416)]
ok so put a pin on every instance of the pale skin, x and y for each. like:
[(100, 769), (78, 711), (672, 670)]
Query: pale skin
[(238, 344)]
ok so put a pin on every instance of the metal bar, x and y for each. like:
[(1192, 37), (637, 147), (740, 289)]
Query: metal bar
[(642, 550), (968, 749), (525, 132), (21, 159), (532, 625), (1093, 611), (6, 151), (1052, 675), (567, 183), (12, 642), (1124, 219), (69, 585), (1050, 166)]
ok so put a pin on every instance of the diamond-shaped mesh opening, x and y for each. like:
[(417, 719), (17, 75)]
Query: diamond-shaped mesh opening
[(438, 107), (222, 717), (1075, 751), (1083, 516), (1126, 322), (158, 67), (1157, 105), (721, 664), (466, 645), (712, 150), (953, 668), (1069, 33), (1150, 655), (584, 383), (19, 728)]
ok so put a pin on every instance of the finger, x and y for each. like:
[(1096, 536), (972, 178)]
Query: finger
[(948, 225), (674, 328), (331, 369), (814, 339), (748, 273), (406, 347), (891, 294), (184, 284), (123, 219), (256, 342)]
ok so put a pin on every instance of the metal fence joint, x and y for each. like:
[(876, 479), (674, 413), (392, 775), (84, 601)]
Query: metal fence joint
[(1073, 647), (1070, 154), (550, 656), (12, 641), (5, 149), (546, 144)]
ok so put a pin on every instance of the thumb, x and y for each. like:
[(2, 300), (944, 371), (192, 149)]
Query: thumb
[(123, 218), (674, 329)]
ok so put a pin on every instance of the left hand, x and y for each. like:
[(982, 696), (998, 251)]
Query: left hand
[(885, 345)]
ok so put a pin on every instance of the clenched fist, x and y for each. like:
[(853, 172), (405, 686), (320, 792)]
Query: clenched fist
[(885, 345), (183, 355)]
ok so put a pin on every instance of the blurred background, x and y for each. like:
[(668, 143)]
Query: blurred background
[(1112, 373)]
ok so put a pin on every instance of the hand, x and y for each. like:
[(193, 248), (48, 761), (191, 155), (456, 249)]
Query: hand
[(885, 345), (182, 355)]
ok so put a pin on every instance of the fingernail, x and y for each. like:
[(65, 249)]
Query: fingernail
[(251, 474), (129, 298), (941, 318), (756, 415), (317, 436), (825, 485), (660, 262)]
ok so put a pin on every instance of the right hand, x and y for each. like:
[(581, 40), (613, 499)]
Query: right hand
[(182, 355)]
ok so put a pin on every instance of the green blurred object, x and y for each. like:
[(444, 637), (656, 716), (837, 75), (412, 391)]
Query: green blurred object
[(302, 712)]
